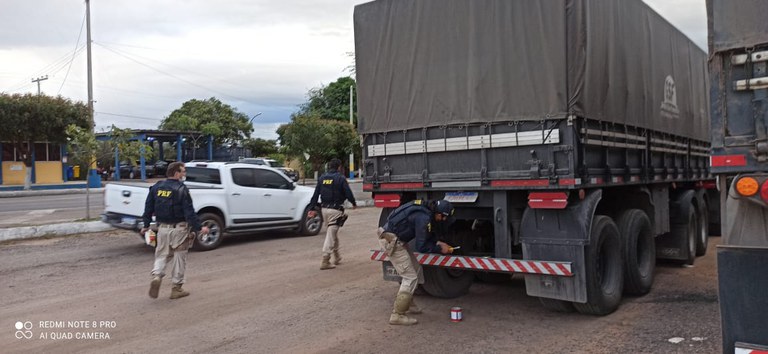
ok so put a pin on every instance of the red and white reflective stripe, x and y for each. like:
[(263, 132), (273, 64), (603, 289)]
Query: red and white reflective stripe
[(489, 264), (727, 160), (386, 200), (738, 350), (548, 200)]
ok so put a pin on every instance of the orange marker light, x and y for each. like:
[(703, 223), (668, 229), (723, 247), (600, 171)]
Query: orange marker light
[(747, 186)]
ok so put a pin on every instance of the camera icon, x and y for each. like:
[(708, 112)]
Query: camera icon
[(23, 330)]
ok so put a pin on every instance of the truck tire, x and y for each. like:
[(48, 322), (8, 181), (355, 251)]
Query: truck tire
[(603, 268), (691, 234), (214, 237), (384, 215), (639, 251), (703, 229), (557, 305), (446, 283), (310, 226)]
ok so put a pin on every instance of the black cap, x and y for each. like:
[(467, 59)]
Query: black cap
[(446, 208)]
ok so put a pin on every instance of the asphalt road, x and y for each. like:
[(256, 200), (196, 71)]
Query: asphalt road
[(48, 209), (51, 209), (264, 293)]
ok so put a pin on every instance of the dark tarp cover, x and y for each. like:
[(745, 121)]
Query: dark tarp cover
[(737, 23), (426, 63)]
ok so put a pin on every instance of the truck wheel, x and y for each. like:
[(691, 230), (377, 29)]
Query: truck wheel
[(311, 226), (384, 215), (703, 230), (691, 235), (603, 268), (556, 305), (214, 237), (639, 251), (446, 283)]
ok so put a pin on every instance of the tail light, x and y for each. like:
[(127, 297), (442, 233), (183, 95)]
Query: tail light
[(748, 186), (764, 191)]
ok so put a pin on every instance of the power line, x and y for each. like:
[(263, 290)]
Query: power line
[(77, 43), (171, 75), (130, 116), (174, 67)]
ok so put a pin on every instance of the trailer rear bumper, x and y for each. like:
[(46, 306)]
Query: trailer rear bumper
[(486, 264)]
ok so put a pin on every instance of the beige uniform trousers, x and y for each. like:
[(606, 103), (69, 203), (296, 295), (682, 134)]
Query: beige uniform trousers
[(405, 263), (172, 244), (331, 243)]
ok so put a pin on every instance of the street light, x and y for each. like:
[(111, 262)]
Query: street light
[(254, 117)]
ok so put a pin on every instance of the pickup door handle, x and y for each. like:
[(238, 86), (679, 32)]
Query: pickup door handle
[(267, 195), (236, 194)]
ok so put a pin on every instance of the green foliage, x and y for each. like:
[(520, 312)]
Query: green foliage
[(261, 147), (84, 148), (28, 118), (210, 117), (330, 102), (321, 139)]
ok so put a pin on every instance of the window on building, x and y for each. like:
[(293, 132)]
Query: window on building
[(54, 152), (10, 153)]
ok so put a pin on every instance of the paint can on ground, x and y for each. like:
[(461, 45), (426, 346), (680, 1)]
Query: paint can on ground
[(456, 314)]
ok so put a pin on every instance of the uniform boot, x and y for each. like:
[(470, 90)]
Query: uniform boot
[(398, 317), (326, 264), (336, 257), (154, 287), (178, 292), (413, 309)]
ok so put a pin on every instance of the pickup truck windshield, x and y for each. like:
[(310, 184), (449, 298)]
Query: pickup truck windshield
[(203, 175)]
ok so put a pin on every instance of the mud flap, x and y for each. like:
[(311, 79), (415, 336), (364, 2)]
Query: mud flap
[(559, 235), (742, 284), (674, 244)]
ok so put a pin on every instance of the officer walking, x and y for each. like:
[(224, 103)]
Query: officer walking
[(333, 189), (169, 201), (412, 221)]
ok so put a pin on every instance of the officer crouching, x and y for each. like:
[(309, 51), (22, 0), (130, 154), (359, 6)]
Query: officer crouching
[(412, 221)]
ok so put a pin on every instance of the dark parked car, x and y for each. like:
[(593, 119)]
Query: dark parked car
[(291, 173), (161, 167), (131, 171)]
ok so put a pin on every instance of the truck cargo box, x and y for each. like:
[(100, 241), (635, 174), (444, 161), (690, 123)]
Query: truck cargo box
[(738, 66), (431, 63)]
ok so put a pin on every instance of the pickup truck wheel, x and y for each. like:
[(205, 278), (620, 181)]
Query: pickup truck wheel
[(214, 237), (603, 268), (311, 226)]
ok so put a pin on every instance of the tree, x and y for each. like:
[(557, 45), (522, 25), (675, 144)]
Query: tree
[(321, 139), (210, 117), (261, 147), (330, 102), (28, 118), (84, 148)]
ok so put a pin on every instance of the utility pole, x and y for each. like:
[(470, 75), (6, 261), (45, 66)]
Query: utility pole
[(351, 110), (90, 110), (41, 78)]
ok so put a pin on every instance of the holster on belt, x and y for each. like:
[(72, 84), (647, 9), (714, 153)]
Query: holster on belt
[(391, 241)]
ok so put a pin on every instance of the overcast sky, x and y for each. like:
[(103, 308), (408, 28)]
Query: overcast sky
[(151, 56)]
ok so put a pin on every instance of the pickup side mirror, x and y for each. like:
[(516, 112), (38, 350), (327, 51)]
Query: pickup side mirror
[(292, 186)]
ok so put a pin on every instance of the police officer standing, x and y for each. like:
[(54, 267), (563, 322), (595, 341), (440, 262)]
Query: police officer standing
[(333, 189), (412, 221), (169, 201)]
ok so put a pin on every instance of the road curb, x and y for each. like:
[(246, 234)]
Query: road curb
[(27, 193), (73, 228), (25, 232)]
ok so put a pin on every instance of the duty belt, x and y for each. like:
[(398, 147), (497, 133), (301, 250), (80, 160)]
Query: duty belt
[(173, 225), (333, 206)]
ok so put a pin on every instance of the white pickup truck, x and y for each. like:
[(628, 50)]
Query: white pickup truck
[(229, 198)]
